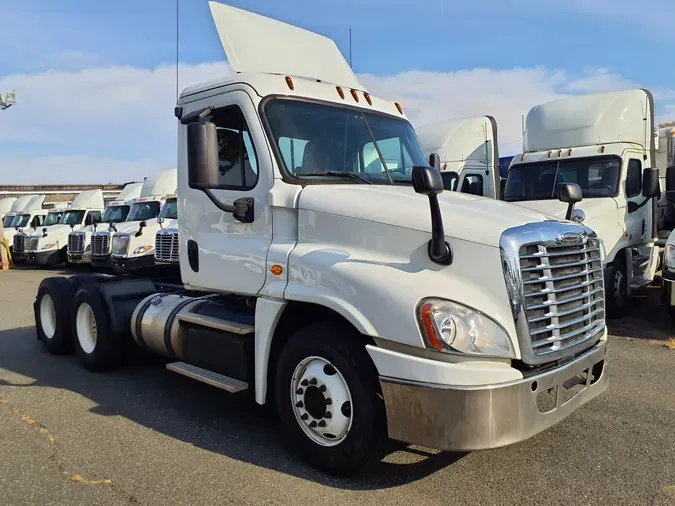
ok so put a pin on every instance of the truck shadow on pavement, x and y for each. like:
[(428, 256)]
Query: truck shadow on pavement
[(645, 317), (181, 408)]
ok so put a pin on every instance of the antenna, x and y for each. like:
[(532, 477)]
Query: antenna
[(350, 47), (177, 11)]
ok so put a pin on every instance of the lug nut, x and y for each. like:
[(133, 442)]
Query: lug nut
[(304, 383), (312, 381), (328, 401), (313, 424), (328, 415), (299, 404), (322, 388), (305, 416), (322, 423), (299, 391)]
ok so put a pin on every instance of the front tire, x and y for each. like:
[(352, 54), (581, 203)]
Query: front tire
[(329, 400), (616, 289), (97, 346)]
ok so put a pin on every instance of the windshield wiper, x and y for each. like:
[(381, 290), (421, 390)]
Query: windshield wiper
[(344, 175), (404, 181)]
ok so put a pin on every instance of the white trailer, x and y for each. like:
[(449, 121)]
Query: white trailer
[(607, 144), (362, 304)]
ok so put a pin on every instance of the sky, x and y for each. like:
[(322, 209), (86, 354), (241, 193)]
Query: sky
[(96, 81)]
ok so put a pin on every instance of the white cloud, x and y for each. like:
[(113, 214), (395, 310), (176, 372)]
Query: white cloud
[(116, 123)]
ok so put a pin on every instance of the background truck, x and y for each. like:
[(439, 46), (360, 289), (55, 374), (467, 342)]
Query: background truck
[(79, 242), (49, 246), (606, 143), (361, 304), (6, 207), (133, 248), (144, 208), (31, 216), (468, 151), (167, 241)]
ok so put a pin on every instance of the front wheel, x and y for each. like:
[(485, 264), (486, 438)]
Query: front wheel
[(329, 400), (616, 289), (52, 314)]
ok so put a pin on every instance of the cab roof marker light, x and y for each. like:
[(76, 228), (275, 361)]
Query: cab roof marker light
[(549, 154), (602, 149), (355, 96), (522, 157), (560, 153), (398, 106), (340, 92), (289, 82), (569, 153), (367, 97)]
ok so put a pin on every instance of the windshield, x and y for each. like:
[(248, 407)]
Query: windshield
[(143, 211), (318, 141), (53, 218), (170, 210), (115, 214), (20, 220), (7, 221), (72, 218), (597, 176)]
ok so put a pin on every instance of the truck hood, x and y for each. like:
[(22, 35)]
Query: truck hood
[(592, 208), (55, 230), (467, 217), (131, 227)]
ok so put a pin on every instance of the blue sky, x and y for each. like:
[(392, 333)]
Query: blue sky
[(83, 68)]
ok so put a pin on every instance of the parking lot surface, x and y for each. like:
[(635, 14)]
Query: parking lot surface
[(143, 435)]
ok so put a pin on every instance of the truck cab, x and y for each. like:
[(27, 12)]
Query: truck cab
[(27, 213), (116, 211), (6, 207), (48, 247), (166, 251), (143, 210), (468, 153), (605, 143), (326, 271)]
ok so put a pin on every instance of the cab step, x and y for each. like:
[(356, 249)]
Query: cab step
[(217, 323), (209, 377)]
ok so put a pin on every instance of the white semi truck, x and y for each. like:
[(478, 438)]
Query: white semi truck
[(31, 216), (607, 144), (468, 153), (167, 242), (133, 246), (6, 207), (361, 304), (49, 247), (144, 208), (79, 242)]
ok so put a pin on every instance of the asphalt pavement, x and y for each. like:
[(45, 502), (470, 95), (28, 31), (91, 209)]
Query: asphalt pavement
[(144, 435)]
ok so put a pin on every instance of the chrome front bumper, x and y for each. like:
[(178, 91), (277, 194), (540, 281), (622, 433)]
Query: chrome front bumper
[(489, 416)]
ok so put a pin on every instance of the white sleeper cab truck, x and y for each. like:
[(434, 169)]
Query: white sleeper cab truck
[(166, 251), (348, 299), (6, 207), (15, 233), (133, 247), (143, 208), (468, 153), (49, 246), (606, 144), (31, 216), (79, 242)]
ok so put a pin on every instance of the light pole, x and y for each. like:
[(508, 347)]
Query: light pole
[(8, 100)]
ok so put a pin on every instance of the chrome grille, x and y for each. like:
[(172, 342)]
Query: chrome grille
[(166, 246), (31, 243), (554, 276), (18, 245), (100, 244), (120, 244), (76, 242)]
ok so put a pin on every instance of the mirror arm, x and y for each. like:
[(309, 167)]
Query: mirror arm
[(440, 251), (242, 209), (570, 211), (643, 203)]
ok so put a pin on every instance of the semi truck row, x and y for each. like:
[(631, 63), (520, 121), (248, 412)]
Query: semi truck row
[(364, 278)]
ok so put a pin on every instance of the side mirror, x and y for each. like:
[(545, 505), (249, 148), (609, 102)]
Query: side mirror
[(650, 182), (569, 193), (435, 161), (89, 220), (428, 181), (141, 226), (202, 155)]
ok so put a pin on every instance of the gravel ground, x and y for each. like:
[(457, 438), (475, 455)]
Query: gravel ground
[(143, 435)]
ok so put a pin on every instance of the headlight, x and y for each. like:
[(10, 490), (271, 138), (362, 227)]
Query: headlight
[(451, 327), (49, 245), (142, 249), (669, 256)]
